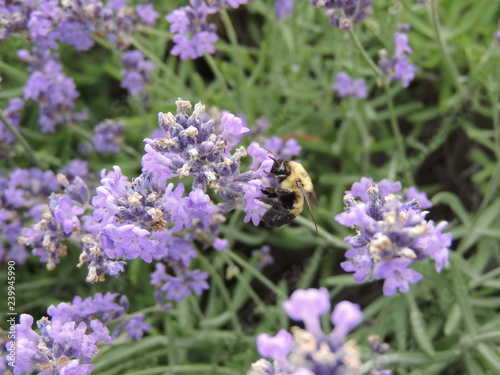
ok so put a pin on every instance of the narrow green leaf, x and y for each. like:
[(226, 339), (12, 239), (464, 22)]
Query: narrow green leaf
[(453, 320), (455, 204), (418, 326), (490, 355)]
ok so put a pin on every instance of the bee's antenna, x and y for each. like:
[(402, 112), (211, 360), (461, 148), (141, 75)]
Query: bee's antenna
[(270, 157)]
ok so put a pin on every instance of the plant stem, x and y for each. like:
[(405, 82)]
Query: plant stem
[(22, 141), (220, 77), (366, 56), (365, 136), (444, 48), (321, 232), (258, 275), (233, 39), (394, 122)]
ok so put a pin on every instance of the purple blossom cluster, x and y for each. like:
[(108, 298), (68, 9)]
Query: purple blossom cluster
[(283, 8), (67, 342), (109, 136), (13, 114), (346, 86), (151, 218), (193, 147), (344, 13), (391, 234), (193, 34), (264, 257), (136, 73), (398, 67), (311, 351), (54, 92), (23, 198), (74, 22), (58, 222)]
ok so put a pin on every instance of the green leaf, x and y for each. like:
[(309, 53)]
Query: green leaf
[(454, 203), (453, 320), (418, 325)]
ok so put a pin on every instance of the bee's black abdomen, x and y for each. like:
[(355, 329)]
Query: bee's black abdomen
[(277, 216)]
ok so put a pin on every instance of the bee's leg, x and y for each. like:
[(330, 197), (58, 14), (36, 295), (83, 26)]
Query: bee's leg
[(269, 191)]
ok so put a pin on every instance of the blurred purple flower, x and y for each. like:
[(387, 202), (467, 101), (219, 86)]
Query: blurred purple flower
[(307, 352), (13, 115), (398, 68), (343, 14), (109, 136), (307, 306), (346, 86), (147, 13), (136, 73), (283, 8)]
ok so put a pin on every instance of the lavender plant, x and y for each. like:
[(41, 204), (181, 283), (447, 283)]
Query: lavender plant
[(171, 216)]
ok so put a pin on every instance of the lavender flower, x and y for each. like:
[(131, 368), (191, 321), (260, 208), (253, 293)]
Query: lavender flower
[(74, 22), (343, 14), (310, 351), (194, 36), (58, 221), (264, 257), (147, 13), (23, 197), (392, 233), (152, 218), (76, 168), (283, 8), (109, 136), (13, 115), (346, 86), (226, 3), (398, 68), (53, 90), (68, 341), (136, 72)]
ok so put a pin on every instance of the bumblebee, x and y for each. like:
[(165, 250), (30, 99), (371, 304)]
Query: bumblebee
[(287, 200)]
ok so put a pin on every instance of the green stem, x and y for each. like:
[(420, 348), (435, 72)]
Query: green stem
[(220, 77), (224, 292), (366, 56), (365, 136), (258, 275), (233, 39), (157, 61), (378, 72), (397, 133), (495, 108), (321, 232), (22, 141), (444, 48)]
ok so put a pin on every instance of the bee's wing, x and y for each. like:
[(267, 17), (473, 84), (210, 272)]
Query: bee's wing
[(311, 200)]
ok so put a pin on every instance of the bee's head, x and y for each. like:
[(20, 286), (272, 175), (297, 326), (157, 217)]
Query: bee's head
[(280, 167)]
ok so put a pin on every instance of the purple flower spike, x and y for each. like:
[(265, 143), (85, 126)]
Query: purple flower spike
[(343, 14), (307, 352), (398, 68), (345, 316), (396, 275), (283, 8), (307, 306), (275, 347), (391, 233), (346, 86), (135, 327)]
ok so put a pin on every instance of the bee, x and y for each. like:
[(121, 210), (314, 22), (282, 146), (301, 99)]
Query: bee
[(287, 200)]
